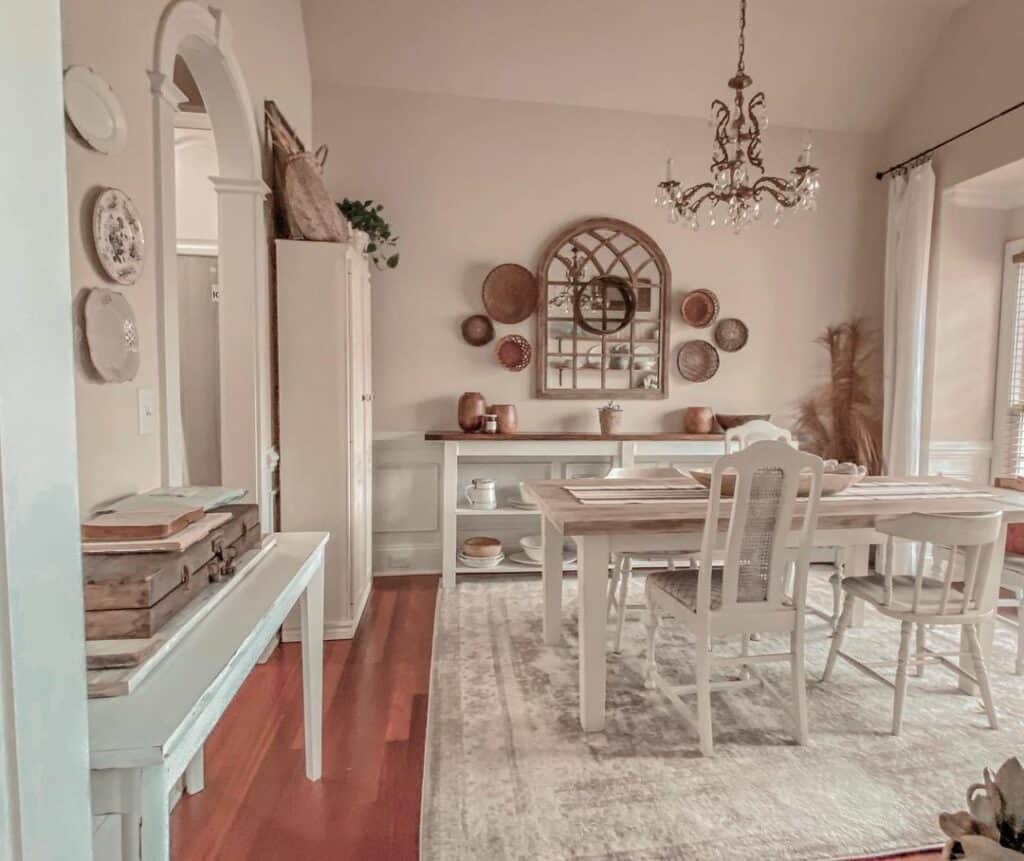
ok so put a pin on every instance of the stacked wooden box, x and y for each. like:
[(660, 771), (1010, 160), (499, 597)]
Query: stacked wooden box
[(142, 567)]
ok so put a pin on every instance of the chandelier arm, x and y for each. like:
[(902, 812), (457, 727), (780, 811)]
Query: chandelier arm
[(693, 198), (724, 115), (780, 189), (754, 155)]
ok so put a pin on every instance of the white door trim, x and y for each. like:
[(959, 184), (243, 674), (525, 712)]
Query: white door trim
[(203, 37), (1007, 318)]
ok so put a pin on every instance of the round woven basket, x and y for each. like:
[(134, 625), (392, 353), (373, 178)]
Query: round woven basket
[(697, 361)]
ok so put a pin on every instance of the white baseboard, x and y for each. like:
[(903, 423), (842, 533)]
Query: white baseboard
[(334, 630)]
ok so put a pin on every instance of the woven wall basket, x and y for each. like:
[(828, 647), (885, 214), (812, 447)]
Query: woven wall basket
[(307, 202)]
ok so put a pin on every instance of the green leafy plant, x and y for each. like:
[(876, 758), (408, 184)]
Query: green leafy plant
[(365, 215)]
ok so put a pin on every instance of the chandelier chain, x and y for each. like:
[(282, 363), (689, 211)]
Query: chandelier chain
[(742, 40)]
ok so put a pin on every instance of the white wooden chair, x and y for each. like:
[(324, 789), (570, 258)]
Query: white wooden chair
[(738, 438), (929, 601), (758, 430), (622, 563), (1013, 579), (747, 594)]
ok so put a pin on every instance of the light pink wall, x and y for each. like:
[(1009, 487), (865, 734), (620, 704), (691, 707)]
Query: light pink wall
[(117, 40), (469, 183), (966, 297), (974, 72)]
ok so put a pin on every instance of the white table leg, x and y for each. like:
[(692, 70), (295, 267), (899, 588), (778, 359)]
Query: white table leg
[(552, 580), (311, 611), (593, 553), (155, 819), (195, 774), (450, 492), (986, 630), (857, 566)]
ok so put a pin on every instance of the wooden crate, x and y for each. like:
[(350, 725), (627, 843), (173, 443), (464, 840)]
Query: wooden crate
[(134, 595)]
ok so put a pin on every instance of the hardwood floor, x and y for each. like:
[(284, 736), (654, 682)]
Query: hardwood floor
[(258, 804)]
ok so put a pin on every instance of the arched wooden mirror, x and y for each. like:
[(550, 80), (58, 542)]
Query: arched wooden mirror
[(590, 342)]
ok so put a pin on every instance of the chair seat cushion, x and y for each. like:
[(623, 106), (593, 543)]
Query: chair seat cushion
[(872, 589), (682, 586)]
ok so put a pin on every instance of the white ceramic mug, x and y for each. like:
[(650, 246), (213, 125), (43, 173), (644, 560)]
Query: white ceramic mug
[(480, 493)]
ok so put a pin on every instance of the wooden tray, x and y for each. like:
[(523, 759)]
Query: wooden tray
[(141, 525)]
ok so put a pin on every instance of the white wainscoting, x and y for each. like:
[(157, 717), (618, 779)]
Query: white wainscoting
[(406, 504), (970, 460)]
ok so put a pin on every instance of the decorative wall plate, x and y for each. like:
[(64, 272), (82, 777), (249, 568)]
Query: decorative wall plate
[(477, 330), (510, 293), (94, 110), (605, 305), (112, 335), (731, 334), (699, 308), (697, 361), (514, 352), (117, 233)]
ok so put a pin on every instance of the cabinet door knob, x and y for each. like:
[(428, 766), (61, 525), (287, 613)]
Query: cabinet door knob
[(367, 397)]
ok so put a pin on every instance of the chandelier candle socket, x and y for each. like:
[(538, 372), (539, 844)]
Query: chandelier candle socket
[(738, 181)]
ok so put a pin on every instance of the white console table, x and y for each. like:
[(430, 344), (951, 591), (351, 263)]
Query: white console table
[(142, 743), (559, 450)]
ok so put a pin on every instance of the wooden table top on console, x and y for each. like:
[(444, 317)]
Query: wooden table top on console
[(570, 436)]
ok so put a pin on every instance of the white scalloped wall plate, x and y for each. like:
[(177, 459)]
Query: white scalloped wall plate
[(94, 110)]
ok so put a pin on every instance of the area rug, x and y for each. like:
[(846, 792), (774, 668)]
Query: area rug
[(509, 774)]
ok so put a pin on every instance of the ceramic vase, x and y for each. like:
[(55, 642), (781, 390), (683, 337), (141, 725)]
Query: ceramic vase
[(508, 419), (698, 420), (471, 411)]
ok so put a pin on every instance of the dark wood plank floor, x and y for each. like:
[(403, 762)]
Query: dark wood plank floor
[(258, 804)]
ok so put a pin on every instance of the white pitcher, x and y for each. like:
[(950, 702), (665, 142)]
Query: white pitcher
[(481, 494)]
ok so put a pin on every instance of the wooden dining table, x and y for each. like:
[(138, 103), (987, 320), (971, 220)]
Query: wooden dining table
[(604, 526)]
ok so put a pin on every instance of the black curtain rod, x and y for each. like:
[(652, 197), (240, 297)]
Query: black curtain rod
[(883, 173)]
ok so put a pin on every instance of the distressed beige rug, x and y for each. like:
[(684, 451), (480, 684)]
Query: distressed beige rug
[(509, 773)]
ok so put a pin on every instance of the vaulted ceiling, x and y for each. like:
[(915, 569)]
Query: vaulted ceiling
[(825, 64)]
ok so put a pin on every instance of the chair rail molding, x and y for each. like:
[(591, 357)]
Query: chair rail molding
[(966, 458)]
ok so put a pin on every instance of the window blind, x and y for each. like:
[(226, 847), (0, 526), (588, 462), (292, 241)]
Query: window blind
[(1014, 453)]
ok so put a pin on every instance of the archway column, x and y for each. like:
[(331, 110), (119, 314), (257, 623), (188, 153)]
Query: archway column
[(167, 97), (244, 322)]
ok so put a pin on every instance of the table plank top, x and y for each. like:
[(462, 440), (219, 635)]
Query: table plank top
[(840, 511), (570, 436)]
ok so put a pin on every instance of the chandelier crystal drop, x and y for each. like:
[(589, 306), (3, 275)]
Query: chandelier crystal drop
[(738, 181)]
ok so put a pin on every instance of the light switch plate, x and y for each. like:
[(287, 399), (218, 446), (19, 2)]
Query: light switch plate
[(147, 411)]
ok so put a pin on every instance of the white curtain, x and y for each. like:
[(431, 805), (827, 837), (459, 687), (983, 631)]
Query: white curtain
[(907, 252)]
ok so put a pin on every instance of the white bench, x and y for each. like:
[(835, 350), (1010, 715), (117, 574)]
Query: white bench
[(142, 743)]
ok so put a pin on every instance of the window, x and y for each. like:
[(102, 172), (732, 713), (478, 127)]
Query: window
[(1008, 456)]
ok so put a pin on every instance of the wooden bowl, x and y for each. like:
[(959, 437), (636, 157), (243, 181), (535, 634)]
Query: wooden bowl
[(699, 308), (831, 484), (728, 421), (481, 547), (477, 330)]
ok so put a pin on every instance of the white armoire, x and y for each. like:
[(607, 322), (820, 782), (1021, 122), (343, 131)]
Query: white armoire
[(326, 415)]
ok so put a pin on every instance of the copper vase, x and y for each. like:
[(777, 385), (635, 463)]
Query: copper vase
[(472, 407), (508, 419), (698, 420)]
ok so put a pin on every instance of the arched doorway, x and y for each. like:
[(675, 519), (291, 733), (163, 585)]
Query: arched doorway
[(202, 38)]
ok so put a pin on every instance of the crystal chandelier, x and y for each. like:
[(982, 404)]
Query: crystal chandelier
[(737, 167)]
